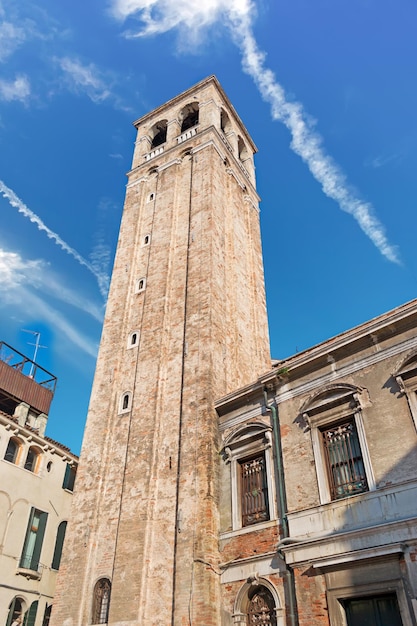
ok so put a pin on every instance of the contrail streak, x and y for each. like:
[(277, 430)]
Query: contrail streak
[(17, 203), (159, 16), (306, 142)]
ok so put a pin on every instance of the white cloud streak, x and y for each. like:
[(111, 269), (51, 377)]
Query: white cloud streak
[(22, 280), (159, 16), (17, 89), (14, 201)]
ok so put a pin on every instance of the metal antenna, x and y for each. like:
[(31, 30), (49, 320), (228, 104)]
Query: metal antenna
[(37, 346)]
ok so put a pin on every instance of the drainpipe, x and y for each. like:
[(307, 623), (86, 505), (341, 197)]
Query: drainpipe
[(292, 616)]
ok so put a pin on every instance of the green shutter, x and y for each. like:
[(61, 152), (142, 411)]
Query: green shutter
[(30, 616), (60, 536), (39, 540)]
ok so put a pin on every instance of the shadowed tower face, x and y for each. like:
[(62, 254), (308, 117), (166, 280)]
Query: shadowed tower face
[(185, 324)]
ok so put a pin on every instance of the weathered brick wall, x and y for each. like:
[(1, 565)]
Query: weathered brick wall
[(311, 597)]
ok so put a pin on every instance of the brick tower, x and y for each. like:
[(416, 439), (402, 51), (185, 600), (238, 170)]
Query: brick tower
[(185, 324)]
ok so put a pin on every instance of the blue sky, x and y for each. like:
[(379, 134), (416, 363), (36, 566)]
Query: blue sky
[(326, 89)]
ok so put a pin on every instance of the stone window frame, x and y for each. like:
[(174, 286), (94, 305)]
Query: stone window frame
[(406, 376), (130, 341), (248, 441), (122, 408), (390, 583), (327, 407), (140, 285)]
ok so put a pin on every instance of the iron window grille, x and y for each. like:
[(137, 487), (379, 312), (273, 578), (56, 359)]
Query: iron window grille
[(261, 609), (254, 490), (344, 460)]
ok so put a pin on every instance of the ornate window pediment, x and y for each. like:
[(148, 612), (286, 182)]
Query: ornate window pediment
[(343, 466), (249, 452)]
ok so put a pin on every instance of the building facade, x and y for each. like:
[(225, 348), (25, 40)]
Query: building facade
[(344, 414), (36, 482), (216, 487)]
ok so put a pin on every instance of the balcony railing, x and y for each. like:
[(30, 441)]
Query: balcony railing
[(187, 135)]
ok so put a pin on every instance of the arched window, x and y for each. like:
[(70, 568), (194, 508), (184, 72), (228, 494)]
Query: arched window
[(133, 339), (242, 149), (60, 536), (159, 133), (125, 402), (261, 607), (189, 116), (101, 601), (225, 124), (12, 450), (15, 612), (140, 285), (32, 459)]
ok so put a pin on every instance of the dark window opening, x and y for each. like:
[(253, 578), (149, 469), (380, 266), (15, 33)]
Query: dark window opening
[(146, 240), (125, 404), (69, 477), (190, 117), (101, 601), (344, 460), (261, 608), (159, 134), (134, 339), (224, 121), (12, 451), (31, 459), (254, 490)]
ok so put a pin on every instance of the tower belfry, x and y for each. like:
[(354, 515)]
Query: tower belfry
[(185, 324)]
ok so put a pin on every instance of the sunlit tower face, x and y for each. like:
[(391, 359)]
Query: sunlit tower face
[(185, 324)]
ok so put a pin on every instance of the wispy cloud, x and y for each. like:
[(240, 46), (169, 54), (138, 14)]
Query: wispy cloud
[(16, 202), (17, 89), (382, 159), (24, 284), (86, 79), (11, 38), (159, 16)]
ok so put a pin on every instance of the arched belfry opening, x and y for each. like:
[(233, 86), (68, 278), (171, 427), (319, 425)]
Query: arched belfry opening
[(242, 149), (189, 116), (225, 123), (159, 133)]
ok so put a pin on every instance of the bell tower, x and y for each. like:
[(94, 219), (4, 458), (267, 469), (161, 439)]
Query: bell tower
[(185, 324)]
